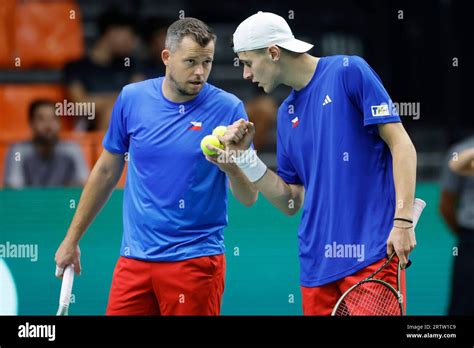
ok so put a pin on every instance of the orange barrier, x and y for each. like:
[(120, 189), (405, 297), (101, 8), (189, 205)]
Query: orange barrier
[(48, 34), (15, 100), (7, 33)]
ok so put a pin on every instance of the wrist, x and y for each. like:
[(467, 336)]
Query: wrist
[(70, 239), (249, 163), (408, 227), (231, 169), (399, 219)]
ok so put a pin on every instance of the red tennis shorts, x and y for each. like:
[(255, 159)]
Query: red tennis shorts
[(189, 287), (321, 300)]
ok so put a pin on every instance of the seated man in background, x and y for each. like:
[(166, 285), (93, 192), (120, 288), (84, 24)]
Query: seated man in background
[(99, 77), (44, 161), (457, 210)]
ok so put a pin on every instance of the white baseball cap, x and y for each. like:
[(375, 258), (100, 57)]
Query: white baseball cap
[(264, 29)]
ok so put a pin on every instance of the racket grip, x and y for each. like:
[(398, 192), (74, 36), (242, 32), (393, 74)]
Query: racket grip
[(66, 287), (418, 207)]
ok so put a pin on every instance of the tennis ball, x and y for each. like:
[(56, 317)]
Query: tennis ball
[(212, 140), (219, 131)]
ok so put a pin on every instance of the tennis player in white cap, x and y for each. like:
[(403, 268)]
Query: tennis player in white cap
[(342, 154)]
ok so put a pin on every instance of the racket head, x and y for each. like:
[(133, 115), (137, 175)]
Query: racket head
[(371, 297)]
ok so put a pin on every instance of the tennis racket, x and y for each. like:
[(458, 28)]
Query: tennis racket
[(66, 291), (374, 296)]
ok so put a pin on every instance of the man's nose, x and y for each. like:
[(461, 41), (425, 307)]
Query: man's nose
[(247, 73), (199, 70)]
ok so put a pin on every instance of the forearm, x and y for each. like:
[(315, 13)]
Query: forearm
[(279, 193), (287, 198), (464, 164), (96, 192), (242, 188), (404, 175)]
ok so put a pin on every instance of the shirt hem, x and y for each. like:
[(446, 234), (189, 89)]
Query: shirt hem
[(382, 120), (356, 268), (114, 151), (173, 258)]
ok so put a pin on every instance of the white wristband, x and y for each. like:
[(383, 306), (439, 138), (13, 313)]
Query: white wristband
[(251, 165)]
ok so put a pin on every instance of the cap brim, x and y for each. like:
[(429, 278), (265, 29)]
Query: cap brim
[(296, 45)]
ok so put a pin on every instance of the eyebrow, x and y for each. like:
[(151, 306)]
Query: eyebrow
[(245, 61), (196, 57)]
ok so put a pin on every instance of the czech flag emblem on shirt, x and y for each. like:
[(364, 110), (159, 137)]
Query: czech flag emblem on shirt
[(295, 122), (196, 126)]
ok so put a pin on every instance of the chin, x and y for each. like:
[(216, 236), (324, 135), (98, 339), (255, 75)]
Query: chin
[(268, 89), (195, 92)]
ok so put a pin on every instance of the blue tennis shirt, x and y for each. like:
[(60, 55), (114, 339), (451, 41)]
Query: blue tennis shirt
[(175, 201), (328, 142)]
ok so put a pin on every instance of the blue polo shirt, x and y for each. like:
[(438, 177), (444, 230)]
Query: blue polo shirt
[(328, 142), (175, 201)]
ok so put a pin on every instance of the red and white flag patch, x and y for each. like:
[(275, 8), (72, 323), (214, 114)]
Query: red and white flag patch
[(295, 122), (196, 126)]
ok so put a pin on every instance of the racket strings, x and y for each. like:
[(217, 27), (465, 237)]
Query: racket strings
[(369, 298)]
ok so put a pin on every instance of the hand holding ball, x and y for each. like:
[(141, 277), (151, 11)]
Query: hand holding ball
[(211, 140), (219, 131)]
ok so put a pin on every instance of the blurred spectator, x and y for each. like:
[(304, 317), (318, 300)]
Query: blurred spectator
[(262, 111), (45, 160), (457, 209), (154, 36), (99, 77)]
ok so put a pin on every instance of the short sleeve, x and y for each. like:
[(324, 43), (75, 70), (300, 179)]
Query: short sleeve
[(239, 112), (367, 92), (285, 169), (116, 139)]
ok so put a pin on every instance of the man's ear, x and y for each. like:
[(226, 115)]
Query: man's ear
[(165, 56), (274, 52)]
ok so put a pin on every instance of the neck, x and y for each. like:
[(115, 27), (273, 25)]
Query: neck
[(172, 94), (299, 72), (45, 151)]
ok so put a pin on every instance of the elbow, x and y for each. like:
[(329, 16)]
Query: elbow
[(249, 202), (106, 174), (294, 205), (292, 211)]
